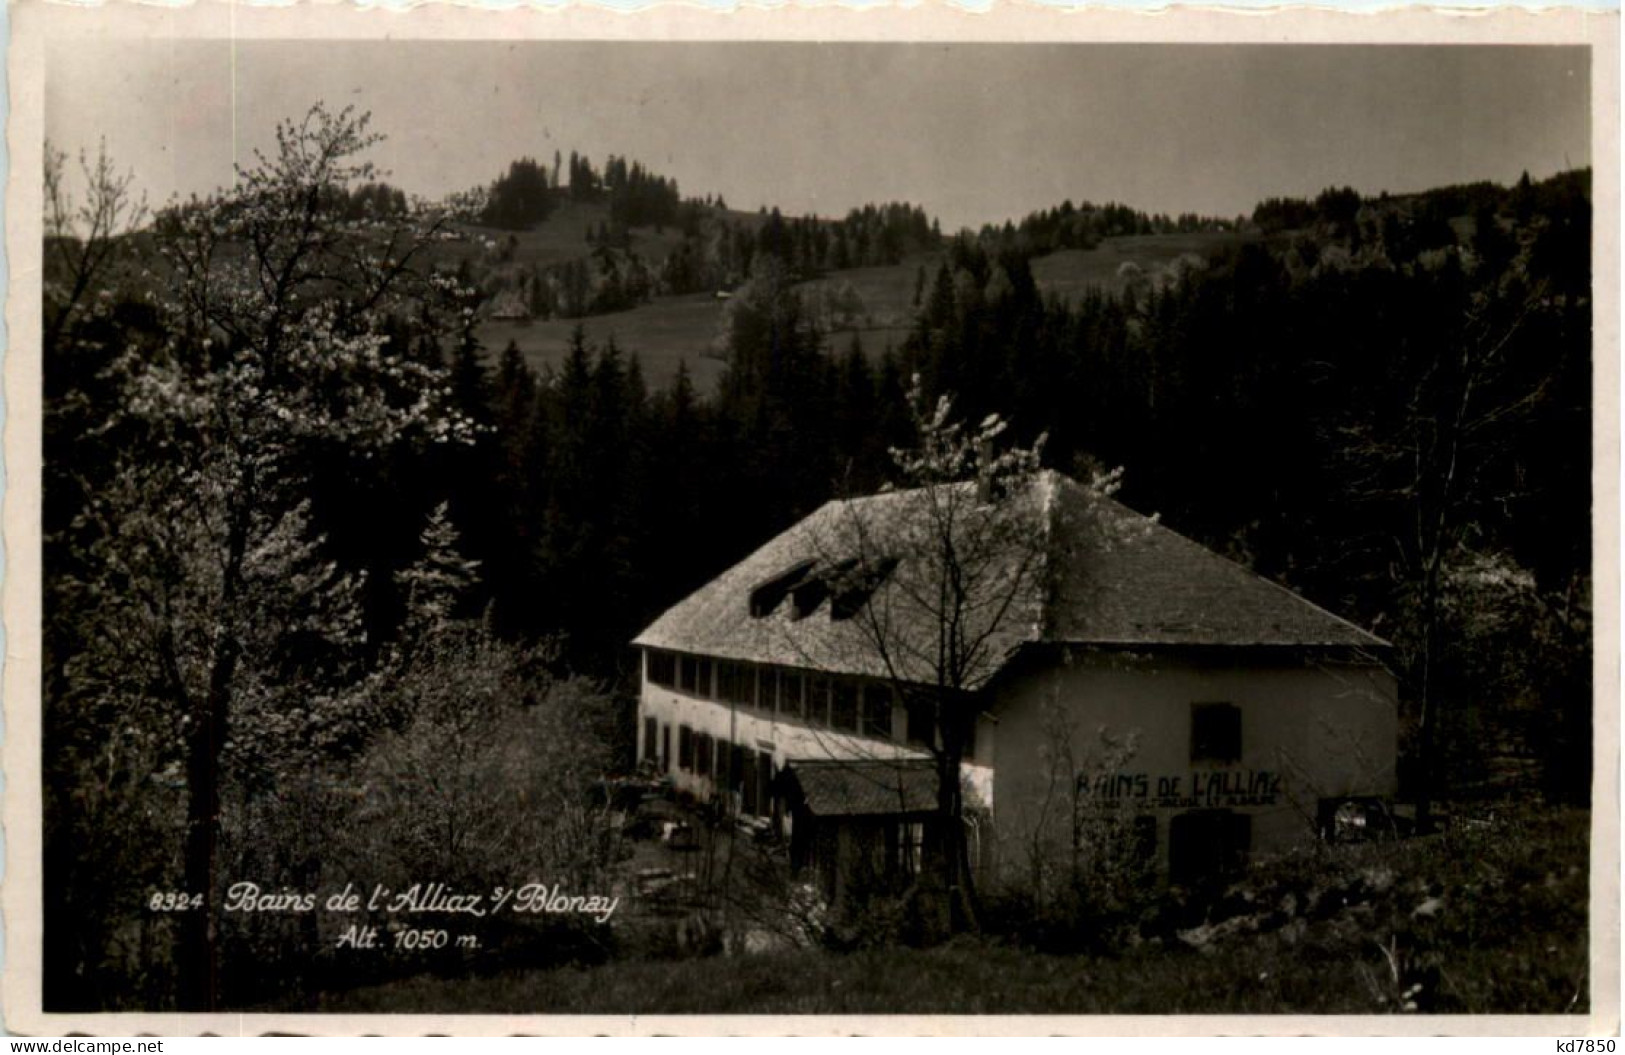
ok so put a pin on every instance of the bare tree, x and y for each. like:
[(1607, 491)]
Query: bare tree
[(83, 233), (1082, 846), (1440, 468), (938, 582)]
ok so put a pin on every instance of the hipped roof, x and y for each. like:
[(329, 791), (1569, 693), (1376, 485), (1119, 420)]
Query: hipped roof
[(1081, 569)]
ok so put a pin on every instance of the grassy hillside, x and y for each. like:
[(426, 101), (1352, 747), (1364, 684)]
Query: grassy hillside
[(563, 236), (1071, 272), (663, 333), (672, 329)]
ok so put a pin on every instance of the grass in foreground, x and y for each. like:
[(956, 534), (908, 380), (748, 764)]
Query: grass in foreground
[(1485, 919), (966, 977)]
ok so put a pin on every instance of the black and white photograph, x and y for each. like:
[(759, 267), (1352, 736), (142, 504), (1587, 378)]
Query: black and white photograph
[(939, 527)]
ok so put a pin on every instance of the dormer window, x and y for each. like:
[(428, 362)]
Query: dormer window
[(858, 585), (847, 585), (767, 596), (805, 598), (810, 592)]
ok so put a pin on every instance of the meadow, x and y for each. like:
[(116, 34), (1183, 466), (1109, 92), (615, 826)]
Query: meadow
[(1072, 272), (690, 329), (1487, 917), (663, 333)]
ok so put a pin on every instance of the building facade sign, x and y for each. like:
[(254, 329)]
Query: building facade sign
[(1195, 789)]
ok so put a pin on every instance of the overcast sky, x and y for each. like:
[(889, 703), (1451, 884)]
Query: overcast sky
[(973, 133)]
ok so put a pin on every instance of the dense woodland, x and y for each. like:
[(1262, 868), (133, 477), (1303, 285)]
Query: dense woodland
[(287, 489), (1384, 410), (711, 249)]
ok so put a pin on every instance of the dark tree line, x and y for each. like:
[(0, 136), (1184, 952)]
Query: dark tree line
[(1393, 420), (720, 251), (1294, 404), (1069, 226), (1396, 427), (519, 199), (373, 201), (715, 251), (529, 192), (639, 198), (594, 502)]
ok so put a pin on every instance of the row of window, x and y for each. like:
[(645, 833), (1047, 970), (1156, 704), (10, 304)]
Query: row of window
[(729, 766), (857, 706), (850, 705)]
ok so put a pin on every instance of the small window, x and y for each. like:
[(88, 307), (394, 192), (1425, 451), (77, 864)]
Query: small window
[(921, 726), (1215, 732), (764, 784), (747, 781), (844, 708), (791, 701), (910, 847), (768, 595), (818, 700), (665, 748), (651, 746), (730, 764), (702, 674), (736, 683), (685, 749), (662, 669), (687, 675), (702, 755), (877, 710)]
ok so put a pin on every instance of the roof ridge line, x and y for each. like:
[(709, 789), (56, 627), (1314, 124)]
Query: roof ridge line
[(1266, 580), (1356, 627)]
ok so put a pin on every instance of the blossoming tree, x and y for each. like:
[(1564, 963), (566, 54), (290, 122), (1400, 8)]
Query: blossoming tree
[(217, 622)]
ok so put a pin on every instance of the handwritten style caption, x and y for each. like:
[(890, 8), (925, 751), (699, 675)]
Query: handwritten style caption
[(529, 899)]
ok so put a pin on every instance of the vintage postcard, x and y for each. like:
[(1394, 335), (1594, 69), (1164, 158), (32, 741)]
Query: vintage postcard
[(811, 521)]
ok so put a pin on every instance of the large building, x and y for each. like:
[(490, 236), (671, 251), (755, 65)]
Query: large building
[(1118, 670)]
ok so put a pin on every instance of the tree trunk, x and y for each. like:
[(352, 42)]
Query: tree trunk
[(1428, 716), (953, 855), (199, 957)]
